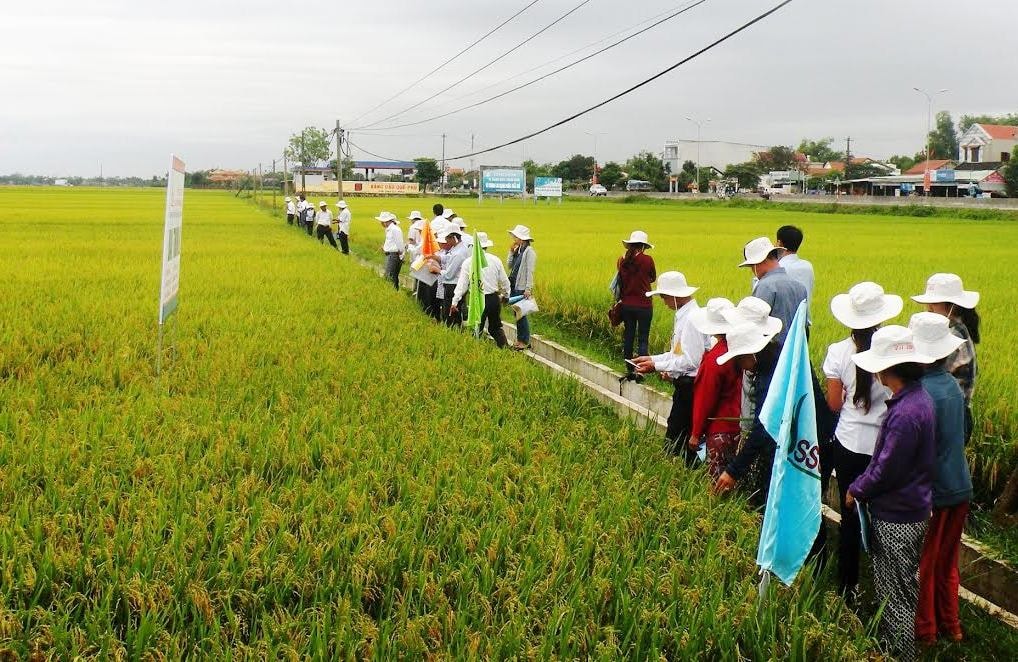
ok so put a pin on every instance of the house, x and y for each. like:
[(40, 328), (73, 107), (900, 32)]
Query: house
[(933, 164), (987, 143), (717, 154)]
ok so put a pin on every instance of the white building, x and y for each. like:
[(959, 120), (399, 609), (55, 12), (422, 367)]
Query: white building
[(712, 153), (988, 143)]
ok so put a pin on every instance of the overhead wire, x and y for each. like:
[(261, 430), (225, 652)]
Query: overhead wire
[(479, 69), (439, 67), (549, 74), (633, 88)]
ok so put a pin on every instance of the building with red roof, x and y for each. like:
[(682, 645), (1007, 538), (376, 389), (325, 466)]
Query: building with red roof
[(987, 143)]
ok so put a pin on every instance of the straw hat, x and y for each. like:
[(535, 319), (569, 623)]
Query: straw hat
[(743, 339), (708, 320), (521, 232), (755, 311), (947, 288), (673, 284), (932, 335), (756, 251), (638, 237), (891, 345), (865, 306)]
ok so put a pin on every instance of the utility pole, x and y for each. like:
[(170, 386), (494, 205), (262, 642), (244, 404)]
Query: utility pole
[(848, 156), (274, 187), (339, 160), (286, 186), (442, 178), (929, 129), (699, 127), (471, 151), (258, 191)]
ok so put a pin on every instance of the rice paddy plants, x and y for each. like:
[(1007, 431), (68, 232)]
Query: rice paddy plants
[(322, 473)]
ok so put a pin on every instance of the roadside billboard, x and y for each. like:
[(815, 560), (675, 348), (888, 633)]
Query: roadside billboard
[(172, 225), (548, 187), (503, 180)]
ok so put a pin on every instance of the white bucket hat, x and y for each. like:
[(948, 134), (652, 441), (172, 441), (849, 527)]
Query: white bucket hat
[(482, 238), (708, 320), (865, 306), (521, 232), (673, 284), (756, 251), (754, 311), (415, 216), (932, 335), (743, 339), (447, 214), (460, 222), (638, 237), (341, 204), (387, 217), (891, 345), (286, 199), (323, 203), (947, 288)]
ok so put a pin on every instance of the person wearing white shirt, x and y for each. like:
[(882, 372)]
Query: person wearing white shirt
[(790, 238), (303, 210), (681, 363), (344, 227), (494, 285), (862, 402), (291, 211), (323, 224), (393, 246)]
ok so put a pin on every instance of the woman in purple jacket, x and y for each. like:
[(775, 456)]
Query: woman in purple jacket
[(897, 487)]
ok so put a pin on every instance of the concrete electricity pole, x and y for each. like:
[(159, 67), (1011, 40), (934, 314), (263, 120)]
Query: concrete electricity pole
[(699, 128), (339, 160), (442, 177), (929, 129)]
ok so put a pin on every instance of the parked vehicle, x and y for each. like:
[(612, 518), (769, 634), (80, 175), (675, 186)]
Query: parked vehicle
[(638, 185), (597, 191)]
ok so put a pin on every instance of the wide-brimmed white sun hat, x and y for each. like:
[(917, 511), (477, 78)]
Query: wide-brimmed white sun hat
[(387, 217), (891, 345), (482, 238), (932, 335), (323, 203), (755, 311), (743, 339), (415, 216), (756, 251), (673, 284), (638, 237), (341, 204), (521, 232), (447, 214), (708, 320), (286, 199), (947, 288), (865, 306), (460, 222)]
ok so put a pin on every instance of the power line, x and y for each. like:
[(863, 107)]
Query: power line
[(439, 67), (480, 69), (633, 88), (550, 73), (377, 156)]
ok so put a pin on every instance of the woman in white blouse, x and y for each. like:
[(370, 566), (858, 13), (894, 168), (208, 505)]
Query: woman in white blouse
[(859, 400)]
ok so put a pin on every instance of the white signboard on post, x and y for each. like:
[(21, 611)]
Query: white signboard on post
[(547, 187), (171, 239)]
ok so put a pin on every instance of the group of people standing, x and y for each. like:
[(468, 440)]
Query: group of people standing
[(892, 427), (438, 253)]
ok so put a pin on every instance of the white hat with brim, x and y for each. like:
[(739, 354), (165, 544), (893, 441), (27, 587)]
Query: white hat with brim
[(756, 251), (744, 339), (891, 345), (708, 319), (323, 203), (638, 237), (387, 217), (947, 288), (521, 232), (673, 284), (865, 306), (286, 200), (460, 222), (415, 216), (754, 311), (482, 237), (932, 335), (341, 204), (447, 214)]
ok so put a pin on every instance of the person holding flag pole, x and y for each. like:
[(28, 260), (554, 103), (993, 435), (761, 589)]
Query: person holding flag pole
[(485, 277)]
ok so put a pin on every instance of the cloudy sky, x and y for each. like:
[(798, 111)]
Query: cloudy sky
[(224, 83)]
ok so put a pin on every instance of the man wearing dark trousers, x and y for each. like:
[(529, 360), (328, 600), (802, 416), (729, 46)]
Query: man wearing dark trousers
[(343, 230), (452, 262), (323, 224)]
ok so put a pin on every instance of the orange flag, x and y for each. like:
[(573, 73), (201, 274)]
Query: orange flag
[(428, 245)]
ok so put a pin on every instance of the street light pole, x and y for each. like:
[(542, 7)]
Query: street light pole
[(699, 128), (929, 129)]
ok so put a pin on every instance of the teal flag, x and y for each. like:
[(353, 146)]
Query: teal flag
[(475, 302), (792, 517)]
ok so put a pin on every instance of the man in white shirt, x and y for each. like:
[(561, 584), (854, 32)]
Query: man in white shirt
[(681, 363), (291, 211), (393, 247), (494, 283), (323, 224), (303, 209), (790, 238), (344, 227)]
